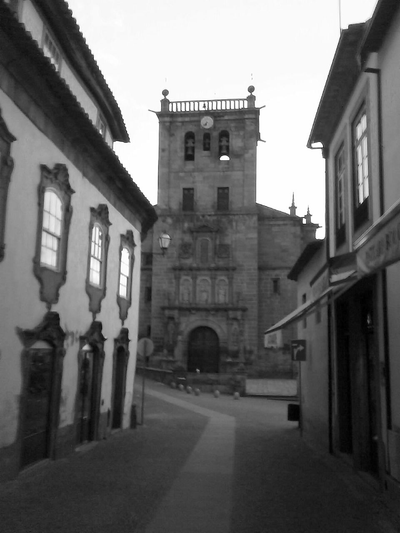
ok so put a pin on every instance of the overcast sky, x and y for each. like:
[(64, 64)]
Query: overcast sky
[(216, 49)]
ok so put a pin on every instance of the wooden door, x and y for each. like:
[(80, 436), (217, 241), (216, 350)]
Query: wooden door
[(36, 426), (203, 350), (86, 399)]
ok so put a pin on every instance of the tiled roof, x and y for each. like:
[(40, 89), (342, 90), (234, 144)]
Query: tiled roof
[(75, 48), (339, 85), (31, 68)]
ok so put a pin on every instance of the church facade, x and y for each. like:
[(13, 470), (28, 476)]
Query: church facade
[(207, 302)]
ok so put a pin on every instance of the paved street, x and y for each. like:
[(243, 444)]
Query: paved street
[(198, 464)]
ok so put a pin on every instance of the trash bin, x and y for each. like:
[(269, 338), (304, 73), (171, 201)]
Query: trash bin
[(293, 412)]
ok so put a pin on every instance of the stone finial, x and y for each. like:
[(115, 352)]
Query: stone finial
[(251, 99), (292, 208), (308, 216), (165, 101)]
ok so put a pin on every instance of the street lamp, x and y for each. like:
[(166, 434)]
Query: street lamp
[(164, 240)]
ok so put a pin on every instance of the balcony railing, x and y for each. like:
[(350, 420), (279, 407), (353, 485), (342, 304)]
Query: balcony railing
[(189, 106)]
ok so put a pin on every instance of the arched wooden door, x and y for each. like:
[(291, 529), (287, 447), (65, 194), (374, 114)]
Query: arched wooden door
[(203, 350)]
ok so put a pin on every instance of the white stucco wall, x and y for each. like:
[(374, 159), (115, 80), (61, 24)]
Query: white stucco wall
[(19, 289)]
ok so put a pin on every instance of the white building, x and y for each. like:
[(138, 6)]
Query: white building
[(71, 225)]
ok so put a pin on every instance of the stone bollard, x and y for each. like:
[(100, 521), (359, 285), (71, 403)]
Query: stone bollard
[(189, 390), (197, 392), (181, 387), (236, 395), (173, 385), (216, 394)]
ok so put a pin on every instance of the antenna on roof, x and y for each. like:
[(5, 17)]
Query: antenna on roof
[(340, 16)]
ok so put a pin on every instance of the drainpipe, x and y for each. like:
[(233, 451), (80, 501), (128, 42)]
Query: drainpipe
[(325, 155)]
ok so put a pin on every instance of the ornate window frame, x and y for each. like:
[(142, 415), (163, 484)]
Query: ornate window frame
[(124, 303), (98, 219), (6, 168), (51, 279)]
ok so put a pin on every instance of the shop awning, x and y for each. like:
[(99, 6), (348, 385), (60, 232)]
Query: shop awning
[(299, 312)]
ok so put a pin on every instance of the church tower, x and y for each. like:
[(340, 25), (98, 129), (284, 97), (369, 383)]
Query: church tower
[(201, 308), (207, 302)]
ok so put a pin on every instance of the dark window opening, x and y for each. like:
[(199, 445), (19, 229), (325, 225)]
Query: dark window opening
[(223, 146), (148, 331), (147, 294), (188, 199), (223, 199), (206, 142), (276, 286), (147, 259), (189, 146)]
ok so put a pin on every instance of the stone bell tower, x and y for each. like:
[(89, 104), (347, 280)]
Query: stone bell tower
[(200, 299)]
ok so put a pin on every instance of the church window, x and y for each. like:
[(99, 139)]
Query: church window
[(147, 294), (223, 145), (206, 142), (188, 199), (189, 146), (223, 199), (204, 251), (276, 286)]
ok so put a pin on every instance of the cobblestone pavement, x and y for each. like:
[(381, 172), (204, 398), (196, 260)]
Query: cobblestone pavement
[(197, 464)]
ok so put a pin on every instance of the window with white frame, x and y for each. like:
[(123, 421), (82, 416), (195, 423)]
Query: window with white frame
[(50, 50), (124, 273), (99, 241), (361, 168), (96, 255), (51, 229), (340, 216), (55, 212), (126, 263)]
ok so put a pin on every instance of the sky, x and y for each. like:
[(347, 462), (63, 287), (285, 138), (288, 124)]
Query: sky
[(213, 50)]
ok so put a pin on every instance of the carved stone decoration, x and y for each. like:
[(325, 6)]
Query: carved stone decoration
[(128, 242), (51, 279), (96, 294), (49, 331), (186, 250), (223, 251), (6, 168)]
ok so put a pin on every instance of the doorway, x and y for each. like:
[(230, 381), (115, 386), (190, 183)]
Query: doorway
[(119, 388), (88, 391), (36, 431), (203, 350)]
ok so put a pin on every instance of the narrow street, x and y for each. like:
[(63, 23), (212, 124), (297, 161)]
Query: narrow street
[(197, 464)]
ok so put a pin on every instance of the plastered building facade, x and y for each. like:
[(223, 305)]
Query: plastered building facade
[(71, 225)]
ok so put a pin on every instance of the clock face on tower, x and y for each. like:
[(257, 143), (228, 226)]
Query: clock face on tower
[(207, 123)]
